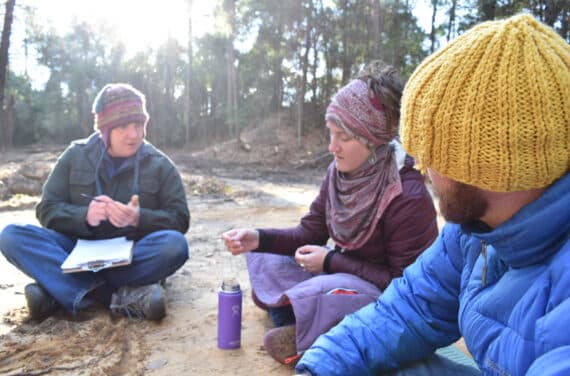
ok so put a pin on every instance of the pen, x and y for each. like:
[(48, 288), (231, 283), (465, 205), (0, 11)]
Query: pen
[(89, 197)]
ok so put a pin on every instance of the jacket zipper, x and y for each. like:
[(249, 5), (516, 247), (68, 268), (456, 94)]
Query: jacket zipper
[(484, 272)]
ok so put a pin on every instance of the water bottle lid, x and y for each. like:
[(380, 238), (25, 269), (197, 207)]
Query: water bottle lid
[(230, 285)]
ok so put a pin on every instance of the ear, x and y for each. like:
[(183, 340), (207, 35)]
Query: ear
[(372, 159)]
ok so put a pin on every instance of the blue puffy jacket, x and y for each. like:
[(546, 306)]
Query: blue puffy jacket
[(506, 291)]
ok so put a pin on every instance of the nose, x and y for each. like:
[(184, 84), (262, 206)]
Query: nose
[(333, 145), (132, 130)]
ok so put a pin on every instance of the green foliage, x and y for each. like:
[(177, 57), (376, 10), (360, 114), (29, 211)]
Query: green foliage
[(277, 43)]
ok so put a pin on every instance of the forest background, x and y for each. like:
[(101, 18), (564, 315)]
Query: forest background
[(299, 52)]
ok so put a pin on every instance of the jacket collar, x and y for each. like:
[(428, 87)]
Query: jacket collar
[(535, 232), (94, 147)]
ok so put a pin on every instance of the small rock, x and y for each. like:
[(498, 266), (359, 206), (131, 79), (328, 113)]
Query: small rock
[(156, 364)]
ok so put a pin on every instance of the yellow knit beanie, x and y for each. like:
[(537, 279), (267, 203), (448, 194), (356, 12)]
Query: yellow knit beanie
[(492, 108)]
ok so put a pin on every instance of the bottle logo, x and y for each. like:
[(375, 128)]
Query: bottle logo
[(236, 310)]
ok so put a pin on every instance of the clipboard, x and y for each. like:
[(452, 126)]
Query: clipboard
[(95, 255)]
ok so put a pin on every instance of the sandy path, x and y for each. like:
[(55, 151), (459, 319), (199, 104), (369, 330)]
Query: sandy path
[(184, 343)]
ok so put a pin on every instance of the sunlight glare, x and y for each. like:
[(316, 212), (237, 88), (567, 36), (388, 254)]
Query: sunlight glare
[(141, 24)]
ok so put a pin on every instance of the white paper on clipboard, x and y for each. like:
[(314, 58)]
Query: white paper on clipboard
[(94, 255)]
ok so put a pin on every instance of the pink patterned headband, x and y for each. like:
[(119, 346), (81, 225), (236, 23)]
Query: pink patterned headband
[(356, 109)]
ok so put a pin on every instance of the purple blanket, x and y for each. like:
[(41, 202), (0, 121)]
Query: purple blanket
[(319, 301)]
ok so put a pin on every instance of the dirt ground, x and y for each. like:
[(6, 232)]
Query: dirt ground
[(264, 180), (227, 187)]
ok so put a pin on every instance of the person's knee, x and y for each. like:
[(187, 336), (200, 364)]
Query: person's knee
[(176, 249), (9, 237)]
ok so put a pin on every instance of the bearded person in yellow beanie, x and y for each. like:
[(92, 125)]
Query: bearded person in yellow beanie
[(488, 118), (110, 185)]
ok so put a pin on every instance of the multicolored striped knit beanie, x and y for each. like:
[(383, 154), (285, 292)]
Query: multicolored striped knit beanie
[(116, 105), (492, 108)]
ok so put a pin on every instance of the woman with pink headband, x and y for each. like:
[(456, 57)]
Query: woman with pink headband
[(372, 208)]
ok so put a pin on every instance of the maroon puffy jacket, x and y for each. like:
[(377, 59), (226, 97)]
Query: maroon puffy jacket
[(406, 229)]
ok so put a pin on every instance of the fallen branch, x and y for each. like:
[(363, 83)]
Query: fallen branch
[(315, 161)]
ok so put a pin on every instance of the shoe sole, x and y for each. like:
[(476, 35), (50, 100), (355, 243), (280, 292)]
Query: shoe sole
[(157, 305), (280, 343)]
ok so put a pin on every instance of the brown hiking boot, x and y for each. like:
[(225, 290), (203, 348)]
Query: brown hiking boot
[(280, 343), (40, 303), (142, 302)]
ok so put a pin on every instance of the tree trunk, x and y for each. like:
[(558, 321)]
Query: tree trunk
[(277, 61), (488, 9), (189, 70), (277, 97), (433, 28), (564, 27), (346, 60), (451, 24), (6, 138), (304, 68), (83, 112), (314, 67), (10, 120), (553, 8), (378, 22), (231, 71), (399, 28), (328, 62)]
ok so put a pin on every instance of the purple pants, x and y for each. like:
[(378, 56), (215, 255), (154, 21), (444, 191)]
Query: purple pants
[(319, 301)]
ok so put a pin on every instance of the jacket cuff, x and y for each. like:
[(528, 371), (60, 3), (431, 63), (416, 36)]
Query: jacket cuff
[(327, 261), (265, 241)]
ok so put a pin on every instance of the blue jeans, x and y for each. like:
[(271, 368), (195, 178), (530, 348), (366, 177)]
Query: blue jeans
[(39, 253), (282, 316)]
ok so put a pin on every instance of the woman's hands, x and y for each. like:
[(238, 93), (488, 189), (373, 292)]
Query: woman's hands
[(239, 241), (103, 208), (311, 257)]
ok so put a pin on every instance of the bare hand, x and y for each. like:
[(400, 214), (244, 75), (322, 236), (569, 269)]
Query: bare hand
[(241, 240), (121, 215), (97, 211), (311, 257)]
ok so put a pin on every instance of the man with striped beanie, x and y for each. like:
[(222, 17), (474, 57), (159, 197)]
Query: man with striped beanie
[(488, 118), (116, 105), (112, 184)]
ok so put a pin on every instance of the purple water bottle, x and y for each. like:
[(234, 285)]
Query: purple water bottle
[(229, 315)]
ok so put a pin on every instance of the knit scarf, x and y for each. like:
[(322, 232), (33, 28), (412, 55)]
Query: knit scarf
[(357, 201)]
